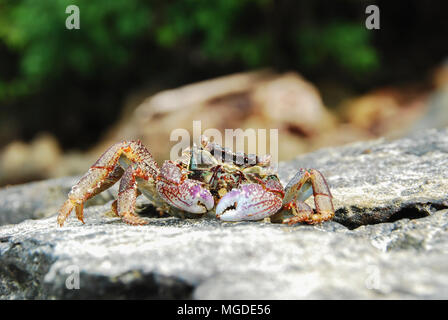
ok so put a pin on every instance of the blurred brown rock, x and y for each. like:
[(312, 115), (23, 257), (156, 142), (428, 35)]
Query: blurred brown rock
[(254, 100), (257, 100), (21, 162), (440, 77), (292, 102), (436, 114), (386, 112)]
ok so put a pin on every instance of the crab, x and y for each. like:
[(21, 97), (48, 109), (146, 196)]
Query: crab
[(205, 181)]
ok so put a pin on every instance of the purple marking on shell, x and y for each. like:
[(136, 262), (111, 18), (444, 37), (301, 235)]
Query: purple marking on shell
[(202, 195), (189, 196)]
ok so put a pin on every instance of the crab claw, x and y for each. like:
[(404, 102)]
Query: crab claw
[(184, 194), (248, 202)]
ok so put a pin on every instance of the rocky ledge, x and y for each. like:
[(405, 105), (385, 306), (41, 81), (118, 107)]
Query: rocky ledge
[(389, 238)]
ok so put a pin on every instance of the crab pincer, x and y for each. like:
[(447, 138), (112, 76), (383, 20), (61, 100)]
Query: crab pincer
[(248, 202), (175, 188)]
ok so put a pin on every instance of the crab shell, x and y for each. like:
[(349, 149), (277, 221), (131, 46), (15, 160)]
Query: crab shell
[(216, 181)]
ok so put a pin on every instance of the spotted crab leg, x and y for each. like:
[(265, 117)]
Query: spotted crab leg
[(127, 194), (304, 184), (105, 172)]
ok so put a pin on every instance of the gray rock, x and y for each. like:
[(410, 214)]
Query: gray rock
[(206, 259), (373, 249), (43, 198), (383, 181)]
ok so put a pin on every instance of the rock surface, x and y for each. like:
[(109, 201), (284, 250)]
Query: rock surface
[(375, 248), (383, 181), (42, 199)]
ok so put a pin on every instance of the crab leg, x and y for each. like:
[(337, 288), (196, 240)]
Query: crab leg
[(127, 194), (105, 172), (92, 183), (304, 184), (114, 206)]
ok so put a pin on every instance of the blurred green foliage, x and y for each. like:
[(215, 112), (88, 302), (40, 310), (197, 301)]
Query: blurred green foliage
[(345, 43), (218, 31), (216, 24), (35, 30)]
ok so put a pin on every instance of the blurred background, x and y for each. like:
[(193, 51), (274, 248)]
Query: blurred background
[(139, 69)]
